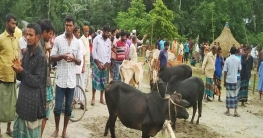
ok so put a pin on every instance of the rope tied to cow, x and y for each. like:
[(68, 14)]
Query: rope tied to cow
[(169, 106), (167, 123)]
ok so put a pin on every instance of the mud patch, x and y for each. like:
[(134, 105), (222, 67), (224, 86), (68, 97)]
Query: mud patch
[(184, 130), (97, 126), (187, 130)]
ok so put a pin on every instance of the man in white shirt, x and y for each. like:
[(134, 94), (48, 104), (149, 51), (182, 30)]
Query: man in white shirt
[(22, 43), (66, 53), (85, 39), (254, 54), (80, 70), (101, 53)]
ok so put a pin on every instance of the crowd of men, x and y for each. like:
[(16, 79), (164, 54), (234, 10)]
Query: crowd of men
[(29, 55), (236, 68)]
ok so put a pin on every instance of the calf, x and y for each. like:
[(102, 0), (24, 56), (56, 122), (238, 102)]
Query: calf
[(138, 110), (131, 72), (191, 89)]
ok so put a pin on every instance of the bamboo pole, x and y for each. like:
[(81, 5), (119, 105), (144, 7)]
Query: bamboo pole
[(254, 83)]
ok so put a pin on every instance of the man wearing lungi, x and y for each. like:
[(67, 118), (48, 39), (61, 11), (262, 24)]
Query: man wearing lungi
[(231, 68), (101, 53), (31, 102), (8, 51), (247, 66), (219, 64), (208, 68)]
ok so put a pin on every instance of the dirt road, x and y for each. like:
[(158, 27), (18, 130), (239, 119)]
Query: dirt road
[(213, 123)]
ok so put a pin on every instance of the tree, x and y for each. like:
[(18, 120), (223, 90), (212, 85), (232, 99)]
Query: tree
[(162, 24), (101, 13), (134, 18), (77, 11)]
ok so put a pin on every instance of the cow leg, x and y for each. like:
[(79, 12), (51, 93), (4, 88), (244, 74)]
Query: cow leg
[(199, 111), (107, 127), (145, 132), (194, 111), (112, 120)]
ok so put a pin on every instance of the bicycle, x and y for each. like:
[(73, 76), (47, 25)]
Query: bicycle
[(78, 110)]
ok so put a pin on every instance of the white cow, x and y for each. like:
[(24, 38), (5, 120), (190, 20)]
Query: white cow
[(131, 72)]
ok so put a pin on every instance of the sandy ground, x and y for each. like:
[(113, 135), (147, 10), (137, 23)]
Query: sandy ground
[(213, 123)]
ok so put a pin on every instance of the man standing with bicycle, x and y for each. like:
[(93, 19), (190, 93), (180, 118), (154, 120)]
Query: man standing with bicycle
[(47, 31), (66, 53)]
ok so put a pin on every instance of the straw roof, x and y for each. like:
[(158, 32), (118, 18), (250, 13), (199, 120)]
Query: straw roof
[(226, 40)]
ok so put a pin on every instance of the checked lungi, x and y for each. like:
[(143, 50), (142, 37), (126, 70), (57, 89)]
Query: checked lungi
[(209, 89), (231, 95), (99, 78), (243, 92)]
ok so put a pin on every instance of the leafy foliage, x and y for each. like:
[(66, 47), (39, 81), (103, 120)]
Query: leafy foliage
[(189, 18), (134, 18), (163, 18)]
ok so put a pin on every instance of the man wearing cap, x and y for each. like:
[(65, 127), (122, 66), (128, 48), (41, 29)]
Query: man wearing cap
[(85, 39), (138, 41)]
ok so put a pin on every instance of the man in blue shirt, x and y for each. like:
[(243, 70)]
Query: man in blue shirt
[(161, 44), (163, 57), (219, 64), (231, 68), (186, 51)]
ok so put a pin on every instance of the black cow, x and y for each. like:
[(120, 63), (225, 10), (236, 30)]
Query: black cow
[(182, 71), (138, 110), (191, 89)]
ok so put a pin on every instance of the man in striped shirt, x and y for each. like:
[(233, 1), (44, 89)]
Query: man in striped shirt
[(122, 54)]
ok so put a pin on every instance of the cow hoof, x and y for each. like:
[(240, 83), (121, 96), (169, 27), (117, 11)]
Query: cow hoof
[(191, 122), (197, 123)]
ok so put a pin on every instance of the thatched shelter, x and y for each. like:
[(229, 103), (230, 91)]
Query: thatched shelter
[(226, 40)]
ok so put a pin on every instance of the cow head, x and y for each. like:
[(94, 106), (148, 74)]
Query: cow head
[(180, 105), (181, 111), (159, 86)]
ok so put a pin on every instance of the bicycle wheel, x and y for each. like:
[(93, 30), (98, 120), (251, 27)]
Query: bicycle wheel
[(78, 110)]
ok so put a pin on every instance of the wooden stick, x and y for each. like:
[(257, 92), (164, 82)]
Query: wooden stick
[(254, 83), (169, 128)]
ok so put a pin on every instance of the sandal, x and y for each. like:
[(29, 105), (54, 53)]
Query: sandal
[(10, 134), (236, 115), (227, 114)]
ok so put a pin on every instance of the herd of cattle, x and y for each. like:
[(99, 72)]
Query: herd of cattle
[(148, 111)]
